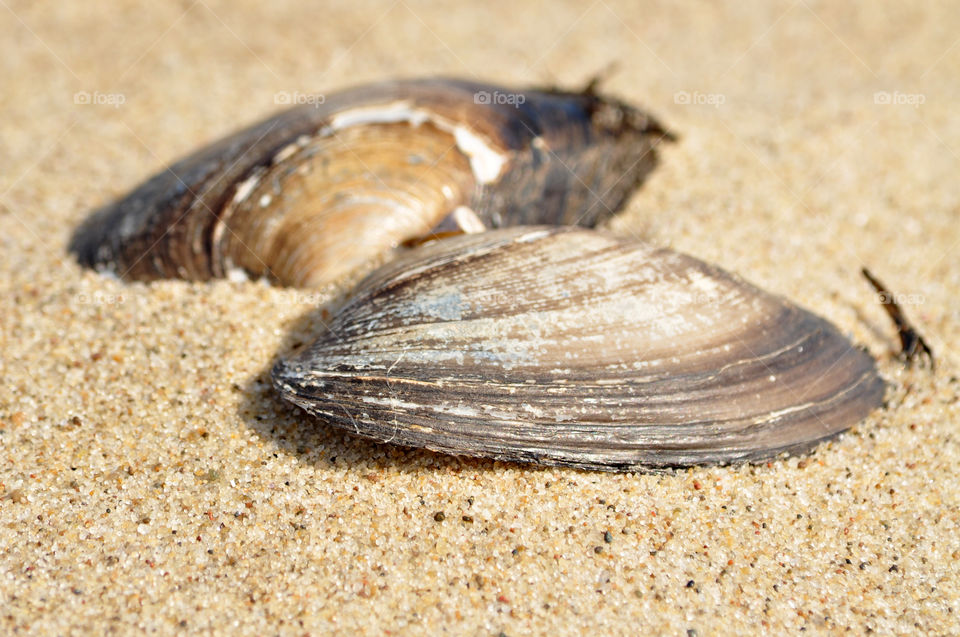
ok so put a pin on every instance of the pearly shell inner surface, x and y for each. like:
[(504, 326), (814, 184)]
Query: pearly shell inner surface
[(335, 202)]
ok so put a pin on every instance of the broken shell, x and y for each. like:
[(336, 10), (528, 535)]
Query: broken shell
[(573, 347), (323, 190)]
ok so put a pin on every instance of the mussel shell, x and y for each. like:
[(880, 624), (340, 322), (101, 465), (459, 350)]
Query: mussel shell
[(574, 347), (285, 198)]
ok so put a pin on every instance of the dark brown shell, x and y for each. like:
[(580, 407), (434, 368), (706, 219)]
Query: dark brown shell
[(321, 190), (574, 347)]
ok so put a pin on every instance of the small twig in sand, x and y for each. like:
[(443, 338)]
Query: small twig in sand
[(912, 345)]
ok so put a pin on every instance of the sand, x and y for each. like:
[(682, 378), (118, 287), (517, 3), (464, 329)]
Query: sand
[(150, 481)]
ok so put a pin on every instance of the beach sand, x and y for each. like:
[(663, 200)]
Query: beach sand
[(151, 481)]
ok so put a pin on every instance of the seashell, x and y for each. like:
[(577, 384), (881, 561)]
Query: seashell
[(574, 347), (323, 190)]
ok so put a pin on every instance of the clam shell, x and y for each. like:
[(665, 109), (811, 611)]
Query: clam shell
[(324, 189), (574, 347)]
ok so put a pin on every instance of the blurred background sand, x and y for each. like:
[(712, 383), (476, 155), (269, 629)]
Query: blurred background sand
[(150, 481)]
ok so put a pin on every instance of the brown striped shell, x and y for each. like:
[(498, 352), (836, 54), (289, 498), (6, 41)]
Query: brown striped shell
[(574, 347), (322, 191)]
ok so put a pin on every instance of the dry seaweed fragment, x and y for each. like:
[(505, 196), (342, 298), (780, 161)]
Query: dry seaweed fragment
[(913, 347)]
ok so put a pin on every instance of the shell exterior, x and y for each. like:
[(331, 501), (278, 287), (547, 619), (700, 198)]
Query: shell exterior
[(321, 190), (574, 347)]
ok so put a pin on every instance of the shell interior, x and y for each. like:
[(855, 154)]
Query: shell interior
[(331, 204)]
